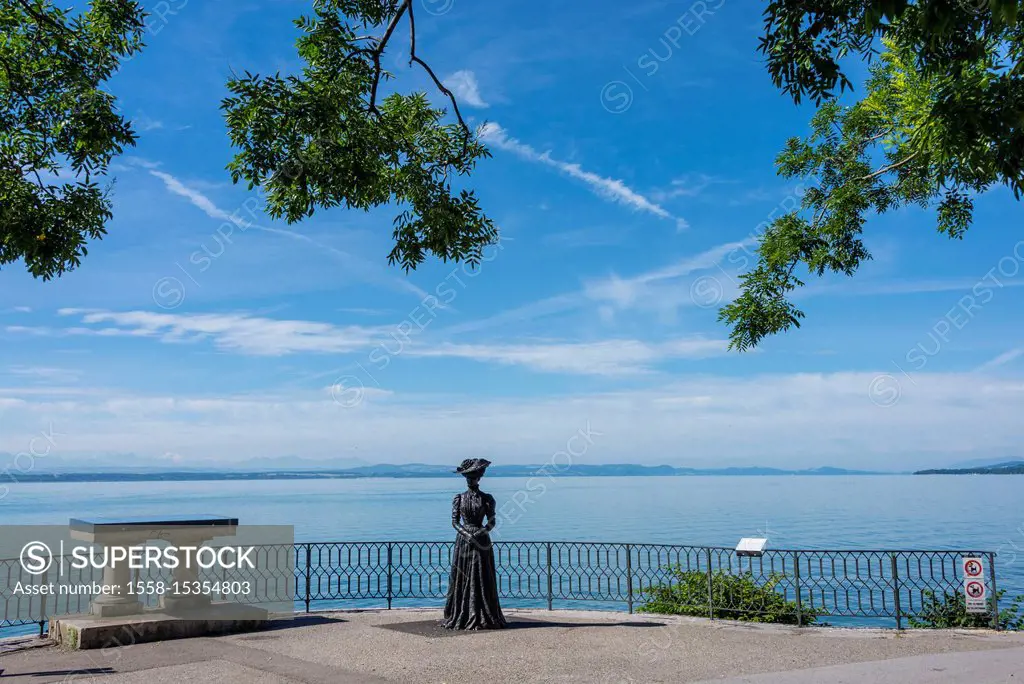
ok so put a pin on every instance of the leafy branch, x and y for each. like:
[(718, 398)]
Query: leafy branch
[(897, 146), (404, 8), (326, 138), (59, 129)]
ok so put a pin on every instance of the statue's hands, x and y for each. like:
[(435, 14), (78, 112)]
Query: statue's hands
[(474, 531)]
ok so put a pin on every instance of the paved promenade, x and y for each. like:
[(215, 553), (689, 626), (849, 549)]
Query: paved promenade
[(559, 646)]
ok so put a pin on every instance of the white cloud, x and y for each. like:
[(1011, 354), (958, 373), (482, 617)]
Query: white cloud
[(259, 336), (465, 88), (712, 275), (609, 188), (644, 288), (341, 390), (905, 287), (44, 373), (140, 162), (354, 264), (1001, 360), (671, 286), (197, 198), (689, 186), (28, 330), (608, 357), (51, 391), (586, 237), (797, 420), (143, 124), (232, 332), (662, 289)]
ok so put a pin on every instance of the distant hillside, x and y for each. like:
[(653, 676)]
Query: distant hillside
[(411, 470), (1011, 468), (979, 463)]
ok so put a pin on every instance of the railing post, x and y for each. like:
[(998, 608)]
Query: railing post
[(711, 594), (309, 561), (995, 593), (796, 581), (224, 578), (42, 605), (629, 575), (550, 589), (896, 590), (389, 575)]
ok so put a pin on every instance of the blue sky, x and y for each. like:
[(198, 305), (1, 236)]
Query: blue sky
[(633, 165)]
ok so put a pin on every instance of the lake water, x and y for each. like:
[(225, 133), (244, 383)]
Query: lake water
[(916, 512), (868, 512)]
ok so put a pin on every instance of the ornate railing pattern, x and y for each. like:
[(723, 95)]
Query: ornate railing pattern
[(826, 583)]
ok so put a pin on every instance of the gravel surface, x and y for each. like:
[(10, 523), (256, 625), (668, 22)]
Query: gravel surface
[(542, 646)]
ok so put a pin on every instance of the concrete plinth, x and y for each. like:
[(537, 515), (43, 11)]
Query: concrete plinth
[(74, 632), (115, 606)]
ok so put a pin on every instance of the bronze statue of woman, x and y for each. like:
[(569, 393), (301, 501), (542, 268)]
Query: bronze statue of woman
[(473, 586)]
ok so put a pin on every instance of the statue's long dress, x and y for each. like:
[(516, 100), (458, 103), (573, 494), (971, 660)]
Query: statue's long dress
[(473, 586)]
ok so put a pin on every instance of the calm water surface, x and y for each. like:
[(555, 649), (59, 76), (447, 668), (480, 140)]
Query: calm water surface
[(917, 512), (873, 512)]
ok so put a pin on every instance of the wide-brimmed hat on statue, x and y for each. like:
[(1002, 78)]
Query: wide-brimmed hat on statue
[(473, 466)]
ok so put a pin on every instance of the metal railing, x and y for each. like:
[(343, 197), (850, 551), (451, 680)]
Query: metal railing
[(891, 584)]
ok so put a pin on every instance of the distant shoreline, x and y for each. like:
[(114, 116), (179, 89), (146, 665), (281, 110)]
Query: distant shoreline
[(1005, 469), (420, 471), (308, 471)]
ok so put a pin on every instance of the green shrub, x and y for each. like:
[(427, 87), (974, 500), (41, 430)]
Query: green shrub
[(950, 611), (734, 597)]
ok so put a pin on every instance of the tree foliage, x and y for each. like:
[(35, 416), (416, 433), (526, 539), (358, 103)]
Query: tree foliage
[(940, 121), (329, 137), (58, 128)]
